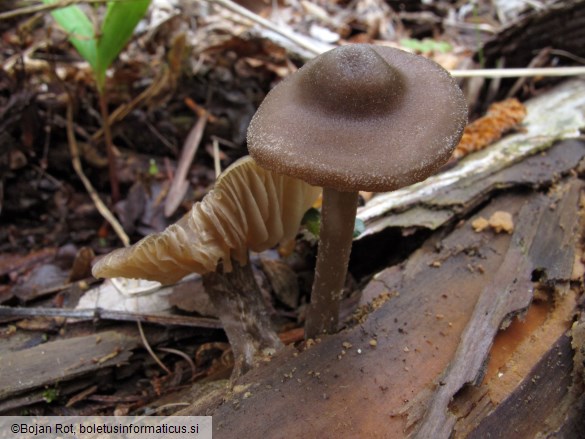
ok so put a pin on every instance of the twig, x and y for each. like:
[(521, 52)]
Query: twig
[(224, 142), (240, 10), (216, 161), (101, 207), (185, 357), (485, 73), (519, 73), (25, 56), (166, 406), (81, 395), (149, 349), (103, 314), (44, 7), (484, 27), (156, 87), (180, 185), (115, 186), (541, 59), (199, 110), (567, 54)]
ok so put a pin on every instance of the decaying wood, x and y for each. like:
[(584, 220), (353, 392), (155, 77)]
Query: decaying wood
[(82, 357), (537, 171), (558, 26), (472, 327), (509, 293), (530, 361), (433, 333), (101, 314), (47, 364), (551, 117)]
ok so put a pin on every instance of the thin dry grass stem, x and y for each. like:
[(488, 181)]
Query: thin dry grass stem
[(484, 73), (115, 186), (519, 73), (149, 349), (168, 406), (33, 9), (240, 10), (184, 356), (199, 110), (216, 161), (26, 57), (158, 85), (97, 314), (101, 207), (180, 184)]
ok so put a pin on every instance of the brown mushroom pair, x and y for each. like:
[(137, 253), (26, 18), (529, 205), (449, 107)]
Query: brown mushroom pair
[(359, 117), (249, 208)]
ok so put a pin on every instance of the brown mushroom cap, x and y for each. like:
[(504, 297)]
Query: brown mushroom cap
[(360, 117), (250, 208)]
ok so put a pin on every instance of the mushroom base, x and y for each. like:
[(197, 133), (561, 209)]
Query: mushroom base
[(239, 304), (336, 236)]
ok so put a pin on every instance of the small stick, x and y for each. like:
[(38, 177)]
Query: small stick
[(180, 184), (199, 110), (101, 207), (482, 73), (103, 314), (27, 10), (81, 395), (216, 161), (166, 406), (184, 356), (519, 73), (158, 84), (149, 349), (240, 10), (115, 186)]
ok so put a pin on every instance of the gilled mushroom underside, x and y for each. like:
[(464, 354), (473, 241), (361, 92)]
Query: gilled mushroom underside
[(250, 208)]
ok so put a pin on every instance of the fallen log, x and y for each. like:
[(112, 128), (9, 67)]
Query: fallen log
[(474, 326)]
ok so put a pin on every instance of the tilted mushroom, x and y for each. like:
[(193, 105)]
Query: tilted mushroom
[(250, 208), (359, 117)]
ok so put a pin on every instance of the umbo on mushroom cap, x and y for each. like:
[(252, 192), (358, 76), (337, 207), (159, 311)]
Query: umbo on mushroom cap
[(360, 117), (250, 208)]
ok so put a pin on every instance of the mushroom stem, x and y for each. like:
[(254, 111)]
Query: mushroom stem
[(337, 225), (238, 301)]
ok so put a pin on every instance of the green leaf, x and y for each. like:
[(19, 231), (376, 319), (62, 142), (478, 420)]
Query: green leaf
[(312, 221), (117, 28), (50, 394), (441, 46), (80, 30), (412, 44), (426, 46), (152, 168)]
